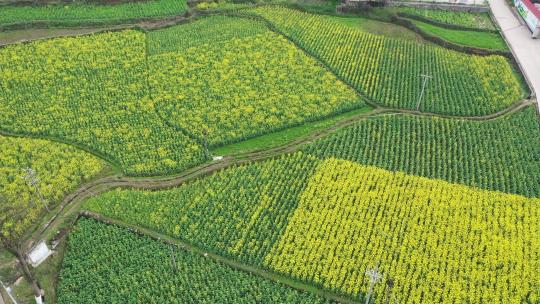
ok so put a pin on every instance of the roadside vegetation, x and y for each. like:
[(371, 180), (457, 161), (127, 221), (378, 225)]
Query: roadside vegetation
[(483, 40), (472, 20)]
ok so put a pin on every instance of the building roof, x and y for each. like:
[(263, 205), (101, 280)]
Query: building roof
[(533, 8)]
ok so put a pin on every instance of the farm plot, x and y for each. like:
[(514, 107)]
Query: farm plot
[(492, 41), (388, 71), (58, 169), (109, 264), (81, 13), (249, 85), (326, 222), (438, 242), (501, 154), (94, 97), (208, 213)]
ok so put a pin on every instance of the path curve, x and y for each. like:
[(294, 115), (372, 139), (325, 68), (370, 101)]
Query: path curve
[(104, 184)]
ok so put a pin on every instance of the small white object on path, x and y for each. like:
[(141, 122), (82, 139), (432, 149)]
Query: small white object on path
[(519, 37), (217, 158)]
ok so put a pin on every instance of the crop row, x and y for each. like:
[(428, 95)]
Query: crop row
[(389, 71), (57, 169), (109, 264), (501, 154)]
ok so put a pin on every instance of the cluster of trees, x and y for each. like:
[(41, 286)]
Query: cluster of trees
[(109, 264), (92, 91), (438, 242), (245, 87), (500, 154), (389, 70)]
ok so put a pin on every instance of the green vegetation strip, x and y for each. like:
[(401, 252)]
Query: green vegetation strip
[(480, 21), (81, 13), (483, 40), (285, 136)]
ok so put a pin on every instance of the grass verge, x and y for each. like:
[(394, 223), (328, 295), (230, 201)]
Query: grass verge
[(279, 138), (483, 40)]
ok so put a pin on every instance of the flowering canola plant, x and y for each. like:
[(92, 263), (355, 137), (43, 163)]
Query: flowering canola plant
[(59, 168), (439, 242), (245, 87), (388, 71), (94, 97)]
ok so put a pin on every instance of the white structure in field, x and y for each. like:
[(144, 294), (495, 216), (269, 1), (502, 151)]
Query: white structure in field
[(38, 254), (531, 15)]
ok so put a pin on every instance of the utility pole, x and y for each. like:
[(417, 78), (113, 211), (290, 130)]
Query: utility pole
[(374, 277), (32, 180), (425, 78)]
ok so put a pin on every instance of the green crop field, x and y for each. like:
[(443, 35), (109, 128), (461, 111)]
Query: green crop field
[(466, 152), (483, 40), (102, 258), (314, 229), (80, 12), (264, 153), (388, 71)]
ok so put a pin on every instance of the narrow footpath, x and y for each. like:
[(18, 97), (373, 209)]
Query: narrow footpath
[(525, 49)]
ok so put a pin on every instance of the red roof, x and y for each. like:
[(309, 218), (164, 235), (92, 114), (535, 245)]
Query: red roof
[(532, 8)]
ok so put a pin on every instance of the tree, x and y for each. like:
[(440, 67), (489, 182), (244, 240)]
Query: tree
[(14, 219)]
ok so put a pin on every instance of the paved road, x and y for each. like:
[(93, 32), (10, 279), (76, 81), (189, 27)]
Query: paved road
[(526, 49)]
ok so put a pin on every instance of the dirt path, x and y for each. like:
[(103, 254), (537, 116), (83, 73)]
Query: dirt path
[(15, 36), (71, 203)]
